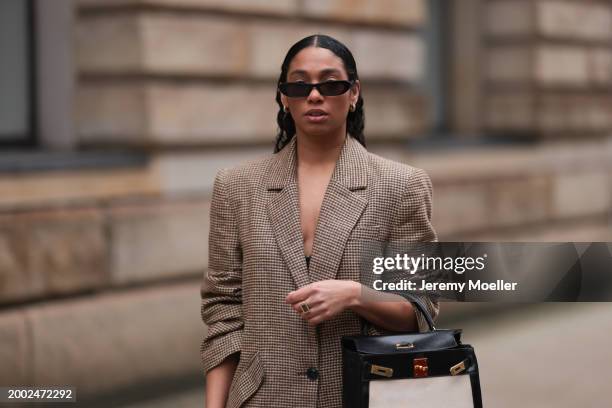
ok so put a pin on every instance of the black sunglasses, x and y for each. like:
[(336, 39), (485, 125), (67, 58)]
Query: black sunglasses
[(327, 88)]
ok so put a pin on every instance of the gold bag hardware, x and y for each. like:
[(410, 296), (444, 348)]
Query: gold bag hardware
[(458, 368), (404, 346), (380, 370), (420, 367)]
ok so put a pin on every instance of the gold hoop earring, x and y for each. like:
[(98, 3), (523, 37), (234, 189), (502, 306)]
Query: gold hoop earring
[(285, 109), (353, 107)]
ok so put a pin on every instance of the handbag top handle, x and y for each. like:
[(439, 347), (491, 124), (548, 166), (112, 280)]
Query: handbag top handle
[(422, 308), (416, 301)]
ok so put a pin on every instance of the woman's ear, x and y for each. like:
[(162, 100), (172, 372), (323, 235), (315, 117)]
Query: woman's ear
[(355, 90), (284, 100)]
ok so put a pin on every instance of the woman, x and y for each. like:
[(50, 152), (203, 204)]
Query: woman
[(282, 286)]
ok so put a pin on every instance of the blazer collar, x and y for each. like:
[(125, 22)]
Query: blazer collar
[(350, 169)]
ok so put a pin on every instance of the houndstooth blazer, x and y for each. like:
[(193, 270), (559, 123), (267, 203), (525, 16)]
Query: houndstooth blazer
[(256, 257)]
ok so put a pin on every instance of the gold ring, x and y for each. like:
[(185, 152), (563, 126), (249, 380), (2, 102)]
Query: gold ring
[(305, 307)]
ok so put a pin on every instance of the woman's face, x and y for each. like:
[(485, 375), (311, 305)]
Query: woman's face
[(314, 65)]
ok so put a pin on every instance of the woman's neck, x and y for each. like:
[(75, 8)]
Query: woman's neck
[(315, 151)]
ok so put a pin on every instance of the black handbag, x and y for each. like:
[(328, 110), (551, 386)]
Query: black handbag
[(412, 370)]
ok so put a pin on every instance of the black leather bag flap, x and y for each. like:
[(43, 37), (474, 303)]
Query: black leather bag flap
[(409, 342)]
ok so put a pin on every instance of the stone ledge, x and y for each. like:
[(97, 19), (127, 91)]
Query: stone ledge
[(158, 241), (108, 341), (390, 13), (158, 114), (285, 7), (551, 66), (44, 161), (15, 349), (407, 13), (492, 162), (208, 46), (51, 253), (550, 19), (489, 189)]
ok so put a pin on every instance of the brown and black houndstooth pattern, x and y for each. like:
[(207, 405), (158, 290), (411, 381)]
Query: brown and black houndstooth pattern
[(256, 257)]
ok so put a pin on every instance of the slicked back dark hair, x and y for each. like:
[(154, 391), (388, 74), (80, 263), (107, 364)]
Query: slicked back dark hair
[(354, 121)]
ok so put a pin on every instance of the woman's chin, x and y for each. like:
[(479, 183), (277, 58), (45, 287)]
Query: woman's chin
[(318, 129)]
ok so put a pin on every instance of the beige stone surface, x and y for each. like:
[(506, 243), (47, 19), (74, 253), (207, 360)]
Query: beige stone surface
[(194, 45), (270, 42), (204, 114), (549, 65), (201, 45), (562, 65), (192, 172), (460, 208), (562, 113), (15, 349), (109, 44), (600, 66), (496, 163), (411, 13), (508, 17), (594, 229), (255, 6), (68, 252), (211, 113), (111, 112), (158, 240), (398, 56), (509, 110), (513, 63), (554, 19), (394, 113), (167, 113), (169, 173), (488, 190), (74, 187), (15, 280), (51, 252), (583, 193), (111, 341), (575, 20), (389, 56), (553, 113), (520, 201)]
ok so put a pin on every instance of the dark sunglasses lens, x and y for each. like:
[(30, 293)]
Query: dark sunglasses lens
[(295, 89), (334, 88)]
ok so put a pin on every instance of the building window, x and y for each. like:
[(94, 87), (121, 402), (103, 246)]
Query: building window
[(16, 73)]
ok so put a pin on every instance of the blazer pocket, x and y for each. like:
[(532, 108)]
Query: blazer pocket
[(247, 382), (366, 232)]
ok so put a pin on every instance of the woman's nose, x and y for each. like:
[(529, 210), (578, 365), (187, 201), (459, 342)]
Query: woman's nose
[(314, 94)]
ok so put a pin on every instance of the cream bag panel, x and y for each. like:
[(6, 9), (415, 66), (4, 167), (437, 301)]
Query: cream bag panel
[(431, 392)]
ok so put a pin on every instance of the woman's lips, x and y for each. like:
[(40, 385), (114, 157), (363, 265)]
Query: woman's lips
[(316, 118)]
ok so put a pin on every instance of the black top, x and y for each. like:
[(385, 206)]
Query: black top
[(308, 260)]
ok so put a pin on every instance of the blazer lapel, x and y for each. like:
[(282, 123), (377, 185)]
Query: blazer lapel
[(343, 204), (284, 212), (341, 209)]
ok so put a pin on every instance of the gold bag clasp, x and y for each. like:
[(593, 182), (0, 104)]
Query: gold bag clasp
[(380, 370), (458, 368), (420, 367)]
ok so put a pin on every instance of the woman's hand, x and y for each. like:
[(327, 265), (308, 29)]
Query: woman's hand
[(325, 299)]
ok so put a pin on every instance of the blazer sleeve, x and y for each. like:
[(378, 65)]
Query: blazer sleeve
[(413, 224), (221, 290)]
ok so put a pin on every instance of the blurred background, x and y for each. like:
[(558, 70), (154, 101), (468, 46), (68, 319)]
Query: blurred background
[(116, 114)]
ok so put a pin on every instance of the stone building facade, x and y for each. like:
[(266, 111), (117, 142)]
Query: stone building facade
[(104, 218)]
